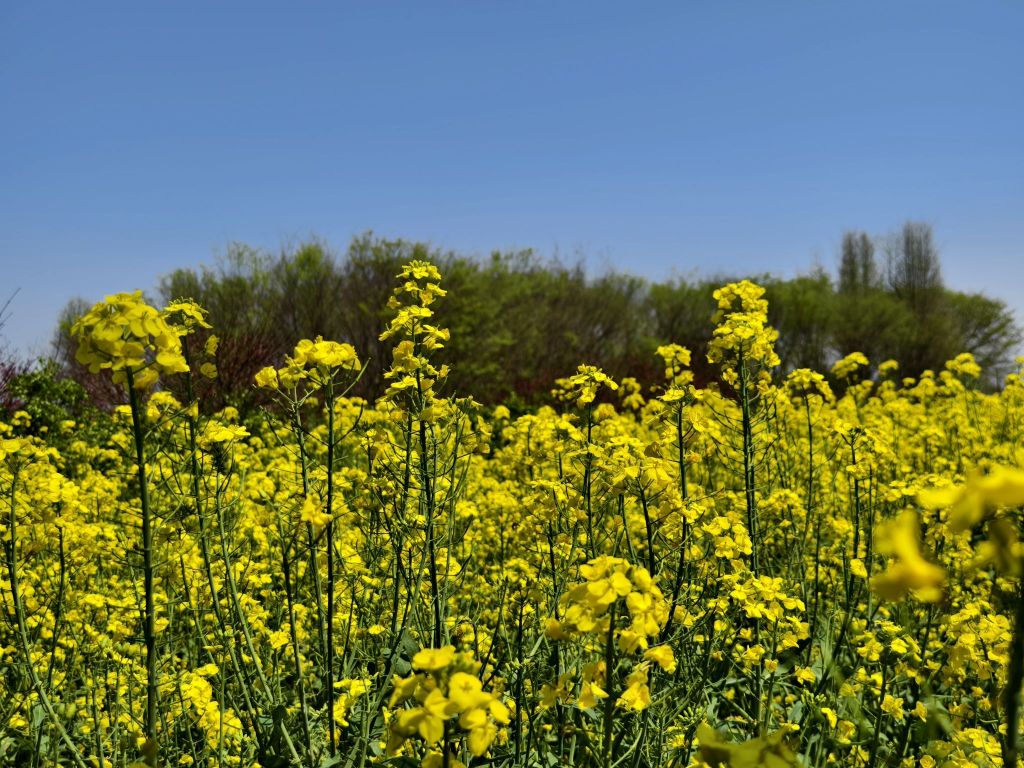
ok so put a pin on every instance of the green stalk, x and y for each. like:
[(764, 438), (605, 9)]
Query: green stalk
[(329, 676), (609, 702), (242, 622), (296, 656), (876, 736), (204, 547), (684, 536), (427, 485), (1014, 680), (151, 748), (748, 466), (817, 529), (310, 538), (652, 562)]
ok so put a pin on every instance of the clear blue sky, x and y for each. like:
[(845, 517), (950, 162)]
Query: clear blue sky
[(653, 137)]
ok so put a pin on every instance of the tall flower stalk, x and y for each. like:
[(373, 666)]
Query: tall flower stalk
[(125, 335)]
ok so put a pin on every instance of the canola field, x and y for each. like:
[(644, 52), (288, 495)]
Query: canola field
[(752, 573)]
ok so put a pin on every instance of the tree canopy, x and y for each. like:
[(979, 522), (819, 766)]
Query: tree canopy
[(518, 320)]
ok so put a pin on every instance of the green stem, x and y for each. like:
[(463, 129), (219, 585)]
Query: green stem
[(748, 466), (329, 676), (149, 623), (609, 702), (652, 562), (1014, 679)]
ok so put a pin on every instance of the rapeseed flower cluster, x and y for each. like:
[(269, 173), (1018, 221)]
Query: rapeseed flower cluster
[(125, 335), (449, 704)]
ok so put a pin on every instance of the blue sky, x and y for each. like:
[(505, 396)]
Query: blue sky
[(654, 137)]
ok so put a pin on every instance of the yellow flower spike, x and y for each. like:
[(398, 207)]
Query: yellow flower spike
[(185, 314), (964, 365), (849, 365), (806, 383), (132, 339)]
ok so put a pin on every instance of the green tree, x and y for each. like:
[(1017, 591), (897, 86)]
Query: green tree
[(803, 311), (987, 329), (858, 270)]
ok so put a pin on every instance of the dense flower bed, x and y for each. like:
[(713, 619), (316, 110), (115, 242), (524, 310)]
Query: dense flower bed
[(752, 574)]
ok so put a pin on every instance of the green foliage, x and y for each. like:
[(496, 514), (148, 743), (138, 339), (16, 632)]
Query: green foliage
[(47, 397), (519, 320), (57, 405), (988, 330), (803, 311)]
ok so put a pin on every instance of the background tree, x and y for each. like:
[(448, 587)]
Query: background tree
[(803, 310), (858, 270), (10, 367), (519, 321), (987, 329)]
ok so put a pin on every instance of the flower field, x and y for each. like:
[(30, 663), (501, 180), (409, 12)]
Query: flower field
[(754, 573)]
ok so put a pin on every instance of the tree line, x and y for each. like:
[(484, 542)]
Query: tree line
[(518, 320)]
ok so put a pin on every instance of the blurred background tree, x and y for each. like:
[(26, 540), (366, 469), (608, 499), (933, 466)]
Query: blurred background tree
[(519, 320)]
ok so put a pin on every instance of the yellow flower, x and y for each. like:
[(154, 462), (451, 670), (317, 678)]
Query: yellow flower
[(482, 731), (805, 675), (590, 694), (314, 513), (637, 695), (849, 365), (10, 446), (909, 571), (768, 751), (964, 365), (427, 720), (969, 503), (433, 659), (215, 432), (663, 656), (127, 336), (893, 706), (266, 378), (466, 691)]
